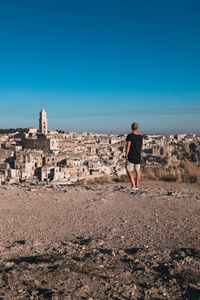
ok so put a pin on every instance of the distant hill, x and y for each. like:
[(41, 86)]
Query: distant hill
[(13, 130)]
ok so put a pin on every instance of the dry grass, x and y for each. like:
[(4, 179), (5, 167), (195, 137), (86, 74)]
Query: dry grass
[(193, 172), (100, 180), (169, 174), (189, 172), (108, 179)]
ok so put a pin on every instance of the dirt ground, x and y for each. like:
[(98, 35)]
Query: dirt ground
[(100, 242)]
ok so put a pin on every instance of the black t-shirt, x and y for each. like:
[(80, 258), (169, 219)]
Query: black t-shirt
[(134, 155)]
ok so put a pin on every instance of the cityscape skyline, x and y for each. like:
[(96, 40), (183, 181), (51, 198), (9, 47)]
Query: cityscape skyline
[(100, 66), (43, 127)]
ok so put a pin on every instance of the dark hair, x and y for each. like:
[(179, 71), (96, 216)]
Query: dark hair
[(134, 126)]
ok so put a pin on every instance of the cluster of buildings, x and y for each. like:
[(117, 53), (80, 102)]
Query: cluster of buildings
[(65, 158)]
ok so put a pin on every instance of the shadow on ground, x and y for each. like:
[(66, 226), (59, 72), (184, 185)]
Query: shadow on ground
[(85, 268)]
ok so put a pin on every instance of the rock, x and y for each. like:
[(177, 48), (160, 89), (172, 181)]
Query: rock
[(133, 290), (154, 291), (83, 291)]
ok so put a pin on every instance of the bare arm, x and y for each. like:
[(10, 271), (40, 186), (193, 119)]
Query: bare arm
[(128, 145)]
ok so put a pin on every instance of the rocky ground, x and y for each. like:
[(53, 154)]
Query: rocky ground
[(100, 242)]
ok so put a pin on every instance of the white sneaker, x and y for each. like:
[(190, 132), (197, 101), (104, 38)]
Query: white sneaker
[(133, 189)]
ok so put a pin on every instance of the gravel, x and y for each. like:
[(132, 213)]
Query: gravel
[(100, 242)]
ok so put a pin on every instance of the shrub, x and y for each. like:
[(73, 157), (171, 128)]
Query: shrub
[(169, 178), (122, 178), (193, 178)]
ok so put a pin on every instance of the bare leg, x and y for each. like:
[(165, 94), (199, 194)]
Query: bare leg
[(137, 177), (131, 178)]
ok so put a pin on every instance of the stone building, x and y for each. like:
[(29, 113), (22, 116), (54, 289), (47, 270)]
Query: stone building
[(29, 163), (41, 142)]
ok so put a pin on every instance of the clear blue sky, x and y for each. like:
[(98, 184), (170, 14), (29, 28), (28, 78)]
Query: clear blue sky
[(99, 65)]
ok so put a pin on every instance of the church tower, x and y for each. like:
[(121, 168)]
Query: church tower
[(43, 121)]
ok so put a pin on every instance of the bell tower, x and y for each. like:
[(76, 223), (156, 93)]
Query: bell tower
[(43, 121)]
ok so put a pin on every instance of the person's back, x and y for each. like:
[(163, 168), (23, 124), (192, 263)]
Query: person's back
[(133, 154)]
